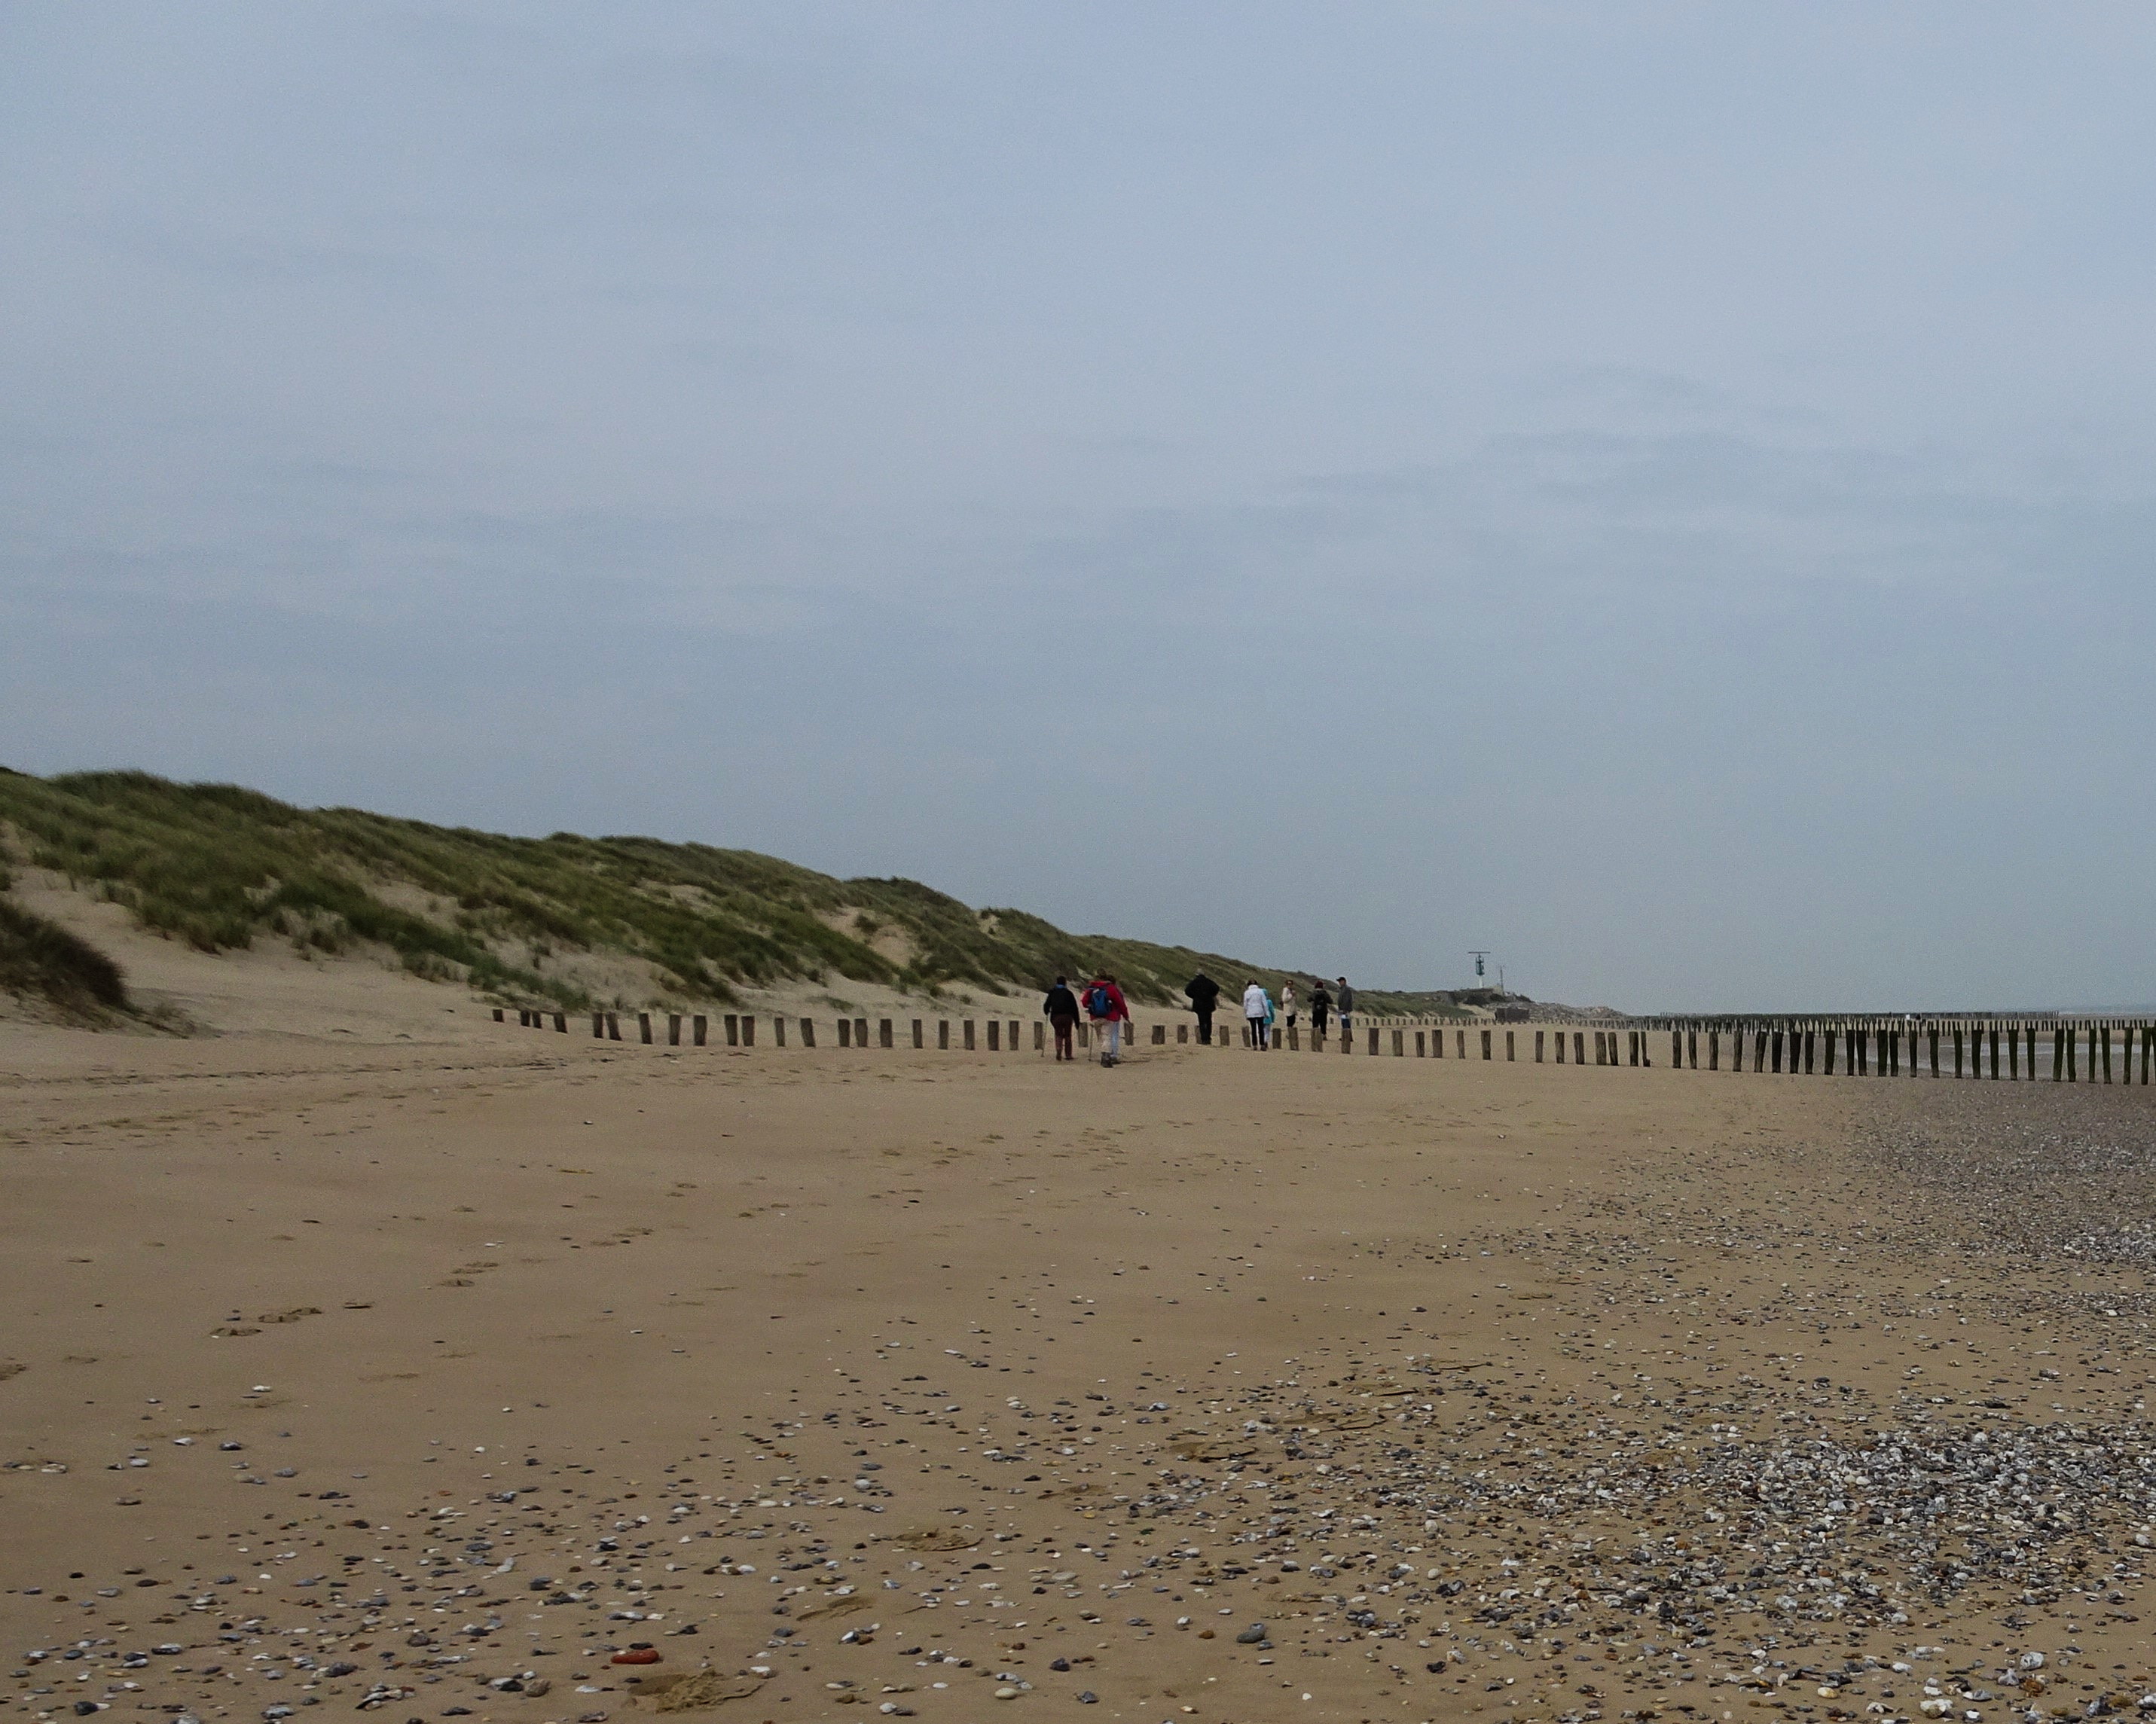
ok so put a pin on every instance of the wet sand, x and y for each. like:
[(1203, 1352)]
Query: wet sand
[(426, 1377)]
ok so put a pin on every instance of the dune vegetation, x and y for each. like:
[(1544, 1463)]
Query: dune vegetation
[(522, 919), (42, 961)]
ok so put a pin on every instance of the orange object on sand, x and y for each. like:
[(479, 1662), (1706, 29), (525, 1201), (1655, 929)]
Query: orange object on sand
[(635, 1655)]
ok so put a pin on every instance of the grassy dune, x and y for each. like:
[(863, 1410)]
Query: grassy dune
[(520, 919), (41, 961)]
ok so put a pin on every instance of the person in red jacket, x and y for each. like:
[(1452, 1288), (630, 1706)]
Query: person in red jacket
[(1106, 1009)]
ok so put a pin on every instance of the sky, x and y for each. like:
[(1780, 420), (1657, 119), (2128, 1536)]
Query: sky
[(1661, 492)]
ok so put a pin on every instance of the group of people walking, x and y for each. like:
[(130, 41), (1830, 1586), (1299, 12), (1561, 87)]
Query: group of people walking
[(1264, 1016), (1101, 1002)]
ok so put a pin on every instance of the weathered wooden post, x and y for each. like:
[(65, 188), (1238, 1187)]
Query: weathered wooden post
[(995, 1037), (1777, 1049), (1957, 1035), (919, 1033), (2073, 1038), (1827, 1066), (1509, 1054), (845, 1034), (2058, 1054), (969, 1035), (808, 1031), (1714, 1050), (2107, 1054), (500, 1019), (1400, 1043), (749, 1030), (673, 1030), (1933, 1030), (643, 1026), (1539, 1035), (1811, 1047), (598, 1026), (884, 1038), (733, 1022), (699, 1029), (1422, 1044), (943, 1034), (613, 1026), (1039, 1037)]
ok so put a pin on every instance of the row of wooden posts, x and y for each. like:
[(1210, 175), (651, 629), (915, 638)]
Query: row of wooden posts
[(1856, 1047), (739, 1030), (1955, 1047)]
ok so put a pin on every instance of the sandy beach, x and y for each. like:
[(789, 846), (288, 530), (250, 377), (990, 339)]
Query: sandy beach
[(425, 1377)]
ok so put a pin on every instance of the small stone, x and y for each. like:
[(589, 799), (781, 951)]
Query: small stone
[(1007, 1693), (1086, 1697), (1253, 1635)]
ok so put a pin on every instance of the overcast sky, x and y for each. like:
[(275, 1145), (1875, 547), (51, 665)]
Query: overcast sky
[(1659, 491)]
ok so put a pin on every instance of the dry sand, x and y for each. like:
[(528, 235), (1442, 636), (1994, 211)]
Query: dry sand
[(423, 1375)]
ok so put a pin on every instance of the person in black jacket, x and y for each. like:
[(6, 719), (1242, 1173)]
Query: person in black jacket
[(1062, 1008), (1204, 994), (1321, 1009)]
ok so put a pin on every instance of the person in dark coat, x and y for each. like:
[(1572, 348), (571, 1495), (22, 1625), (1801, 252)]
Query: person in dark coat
[(1204, 994), (1321, 1009), (1061, 1010)]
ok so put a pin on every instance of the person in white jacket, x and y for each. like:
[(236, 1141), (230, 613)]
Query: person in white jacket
[(1259, 1010)]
